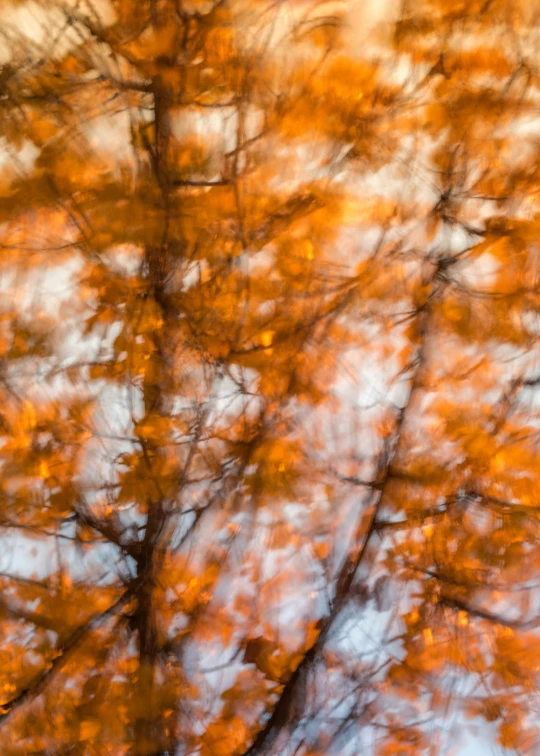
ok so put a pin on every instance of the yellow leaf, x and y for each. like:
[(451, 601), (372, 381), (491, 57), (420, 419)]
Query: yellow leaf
[(28, 416), (267, 337), (313, 632), (308, 249), (43, 130), (322, 549), (89, 729)]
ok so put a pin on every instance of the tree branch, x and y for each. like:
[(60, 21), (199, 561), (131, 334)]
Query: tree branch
[(281, 715)]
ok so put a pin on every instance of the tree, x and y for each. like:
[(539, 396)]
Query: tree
[(268, 378)]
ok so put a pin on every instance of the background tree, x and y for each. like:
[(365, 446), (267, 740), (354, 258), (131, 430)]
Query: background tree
[(268, 378)]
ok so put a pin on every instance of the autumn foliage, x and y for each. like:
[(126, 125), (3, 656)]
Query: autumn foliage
[(269, 376)]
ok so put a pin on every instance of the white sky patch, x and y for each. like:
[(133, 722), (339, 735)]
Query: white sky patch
[(110, 135), (480, 272)]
